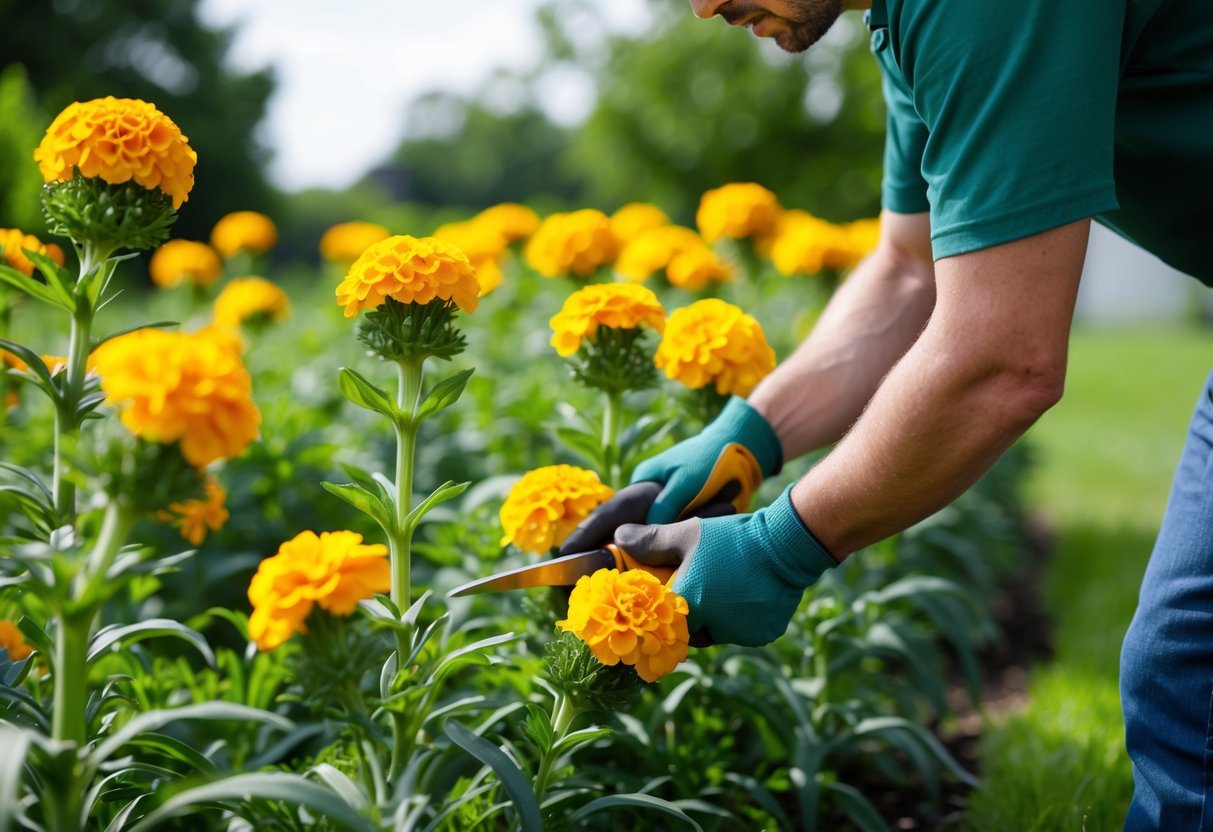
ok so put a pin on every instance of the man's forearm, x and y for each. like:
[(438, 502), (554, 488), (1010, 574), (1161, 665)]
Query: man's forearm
[(814, 396)]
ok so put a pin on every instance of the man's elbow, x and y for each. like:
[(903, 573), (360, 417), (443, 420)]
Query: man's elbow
[(1027, 390)]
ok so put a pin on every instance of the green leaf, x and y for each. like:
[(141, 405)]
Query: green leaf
[(516, 784), (538, 727), (154, 720), (15, 743), (443, 394), (366, 502), (340, 783), (115, 634), (30, 477), (59, 279), (35, 362), (858, 808), (289, 788), (881, 724), (468, 653), (762, 796), (177, 750), (36, 635), (636, 800), (447, 491), (33, 288), (366, 395), (586, 445), (129, 330), (571, 742)]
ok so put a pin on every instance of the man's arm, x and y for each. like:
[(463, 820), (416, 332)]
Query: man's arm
[(815, 395), (989, 362)]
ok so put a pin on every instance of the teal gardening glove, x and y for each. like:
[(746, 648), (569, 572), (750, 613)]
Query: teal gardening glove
[(743, 575)]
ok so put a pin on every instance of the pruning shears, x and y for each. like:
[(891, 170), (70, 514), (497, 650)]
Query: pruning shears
[(734, 473)]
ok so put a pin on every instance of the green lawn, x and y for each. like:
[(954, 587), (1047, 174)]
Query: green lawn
[(1105, 456)]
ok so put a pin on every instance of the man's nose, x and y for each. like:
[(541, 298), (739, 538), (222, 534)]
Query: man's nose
[(706, 8)]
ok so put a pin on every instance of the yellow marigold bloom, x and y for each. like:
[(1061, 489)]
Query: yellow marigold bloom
[(578, 243), (714, 342), (636, 218), (738, 210), (697, 267), (196, 517), (489, 274), (244, 231), (12, 641), (804, 244), (483, 243), (411, 270), (184, 260), (509, 219), (15, 243), (250, 297), (855, 241), (613, 305), (345, 241), (651, 250), (544, 507), (333, 570), (173, 386), (119, 140), (629, 617)]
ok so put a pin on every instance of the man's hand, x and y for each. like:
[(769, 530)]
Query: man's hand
[(742, 576)]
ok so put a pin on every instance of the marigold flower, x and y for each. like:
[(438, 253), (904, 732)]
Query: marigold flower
[(483, 243), (714, 342), (333, 570), (411, 270), (344, 242), (15, 243), (578, 243), (173, 386), (803, 243), (195, 518), (250, 297), (697, 267), (184, 260), (636, 218), (118, 140), (544, 507), (509, 219), (738, 210), (856, 241), (651, 250), (13, 641), (613, 305), (244, 231), (629, 617)]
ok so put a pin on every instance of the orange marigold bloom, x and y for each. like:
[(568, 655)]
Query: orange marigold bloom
[(195, 517), (244, 231), (737, 210), (411, 270), (173, 386), (697, 267), (629, 617), (250, 297), (119, 140), (636, 218), (714, 342), (613, 305), (15, 243), (651, 250), (544, 507), (509, 219), (333, 570), (578, 243), (13, 641), (344, 242), (184, 260)]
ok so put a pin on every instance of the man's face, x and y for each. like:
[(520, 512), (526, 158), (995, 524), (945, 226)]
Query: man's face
[(794, 24)]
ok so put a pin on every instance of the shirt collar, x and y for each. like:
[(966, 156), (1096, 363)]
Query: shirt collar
[(877, 17)]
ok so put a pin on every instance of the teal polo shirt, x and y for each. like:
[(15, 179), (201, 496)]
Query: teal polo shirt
[(1006, 119)]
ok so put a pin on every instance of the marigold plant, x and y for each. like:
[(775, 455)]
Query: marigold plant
[(577, 243), (410, 270), (544, 507), (511, 220), (12, 641), (629, 617), (185, 260), (244, 231), (118, 140), (194, 518), (15, 243), (248, 299), (738, 210), (344, 242), (714, 342), (173, 386), (636, 218), (613, 305), (332, 570)]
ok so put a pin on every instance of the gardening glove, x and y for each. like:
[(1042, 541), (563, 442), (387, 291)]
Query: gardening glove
[(742, 576)]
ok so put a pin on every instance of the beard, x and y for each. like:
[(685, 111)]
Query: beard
[(807, 22)]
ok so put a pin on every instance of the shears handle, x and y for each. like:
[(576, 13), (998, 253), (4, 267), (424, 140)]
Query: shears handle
[(734, 464), (624, 562)]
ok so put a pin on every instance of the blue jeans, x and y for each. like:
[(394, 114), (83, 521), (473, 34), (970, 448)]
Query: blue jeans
[(1166, 666)]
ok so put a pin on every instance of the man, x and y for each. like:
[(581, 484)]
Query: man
[(1010, 126)]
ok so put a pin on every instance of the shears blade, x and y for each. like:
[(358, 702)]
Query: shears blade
[(557, 572)]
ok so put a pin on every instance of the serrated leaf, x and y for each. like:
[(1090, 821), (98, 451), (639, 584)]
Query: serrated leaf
[(443, 394), (363, 393), (515, 783)]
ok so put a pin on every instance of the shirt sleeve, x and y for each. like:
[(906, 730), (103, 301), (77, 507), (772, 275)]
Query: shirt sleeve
[(1018, 101), (903, 190)]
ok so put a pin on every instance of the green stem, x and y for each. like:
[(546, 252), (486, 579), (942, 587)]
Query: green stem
[(408, 395), (563, 714), (612, 423), (116, 527), (71, 676)]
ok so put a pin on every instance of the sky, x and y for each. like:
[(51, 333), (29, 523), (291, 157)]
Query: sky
[(346, 70)]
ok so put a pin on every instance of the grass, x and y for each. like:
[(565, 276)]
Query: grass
[(1105, 454)]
